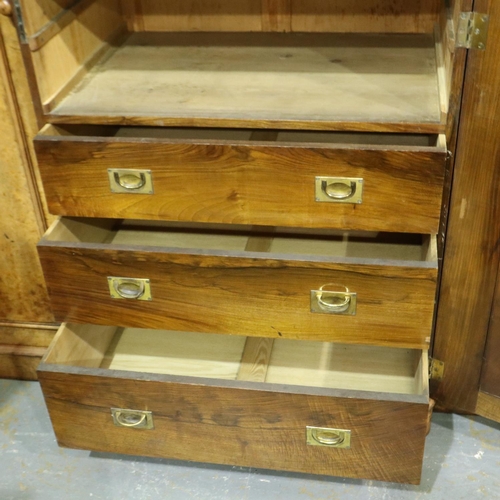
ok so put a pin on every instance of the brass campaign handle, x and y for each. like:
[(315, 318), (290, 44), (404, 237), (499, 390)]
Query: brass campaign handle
[(339, 190), (131, 181), (136, 419)]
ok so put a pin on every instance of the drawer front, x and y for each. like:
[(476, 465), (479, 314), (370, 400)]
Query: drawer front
[(247, 293), (358, 187), (243, 428), (235, 422)]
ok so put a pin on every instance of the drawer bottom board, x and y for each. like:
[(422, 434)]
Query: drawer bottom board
[(240, 407)]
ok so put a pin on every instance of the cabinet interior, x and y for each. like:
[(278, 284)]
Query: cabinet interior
[(220, 239), (369, 65), (231, 357)]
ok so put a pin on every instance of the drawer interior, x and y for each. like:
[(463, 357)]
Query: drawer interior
[(224, 135), (236, 358), (321, 65), (217, 239)]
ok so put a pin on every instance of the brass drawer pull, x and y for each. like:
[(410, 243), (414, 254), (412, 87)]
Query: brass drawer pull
[(333, 301), (136, 419), (129, 288), (130, 181), (324, 436), (339, 189)]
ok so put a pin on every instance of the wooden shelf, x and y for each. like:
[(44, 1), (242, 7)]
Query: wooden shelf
[(264, 80)]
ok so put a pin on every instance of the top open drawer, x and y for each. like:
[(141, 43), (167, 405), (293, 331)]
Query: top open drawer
[(381, 66)]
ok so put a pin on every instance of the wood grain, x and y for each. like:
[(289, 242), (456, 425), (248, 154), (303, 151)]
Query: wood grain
[(255, 360), (85, 344), (253, 428), (490, 373), (189, 354), (192, 15), (201, 290), (245, 182), (20, 362), (65, 54), (36, 14), (348, 367), (397, 16), (276, 15), (57, 24), (371, 370), (27, 334), (278, 79), (27, 100), (488, 406), (455, 63), (471, 253), (23, 296)]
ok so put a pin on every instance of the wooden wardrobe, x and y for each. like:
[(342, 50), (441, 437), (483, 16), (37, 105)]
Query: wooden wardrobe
[(465, 342)]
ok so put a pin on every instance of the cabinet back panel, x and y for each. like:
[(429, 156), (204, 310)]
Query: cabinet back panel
[(399, 16)]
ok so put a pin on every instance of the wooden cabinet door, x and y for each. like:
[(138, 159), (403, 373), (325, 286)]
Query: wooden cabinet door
[(463, 336)]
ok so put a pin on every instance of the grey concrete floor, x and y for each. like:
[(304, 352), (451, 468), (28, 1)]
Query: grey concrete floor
[(462, 461)]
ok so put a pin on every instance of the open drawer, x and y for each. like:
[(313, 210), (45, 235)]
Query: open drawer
[(369, 182), (352, 411), (371, 288)]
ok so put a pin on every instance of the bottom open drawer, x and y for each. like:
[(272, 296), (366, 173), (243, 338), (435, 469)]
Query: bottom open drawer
[(314, 407)]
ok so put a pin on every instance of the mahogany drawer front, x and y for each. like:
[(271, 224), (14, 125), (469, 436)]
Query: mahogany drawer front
[(363, 289), (231, 400), (380, 182)]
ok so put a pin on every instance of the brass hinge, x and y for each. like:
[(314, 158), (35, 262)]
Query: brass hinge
[(19, 21), (436, 369), (472, 30)]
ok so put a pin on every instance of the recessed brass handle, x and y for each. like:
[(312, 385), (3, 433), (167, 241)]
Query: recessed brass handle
[(131, 181), (136, 419), (339, 189), (129, 288), (324, 436), (5, 8), (333, 302)]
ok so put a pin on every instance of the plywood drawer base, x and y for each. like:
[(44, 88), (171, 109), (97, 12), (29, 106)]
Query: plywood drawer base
[(231, 400)]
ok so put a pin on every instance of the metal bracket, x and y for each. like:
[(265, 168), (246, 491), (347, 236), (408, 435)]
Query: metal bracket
[(472, 30), (19, 21), (436, 369)]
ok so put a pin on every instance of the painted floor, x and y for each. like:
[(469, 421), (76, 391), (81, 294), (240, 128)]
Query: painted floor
[(462, 461)]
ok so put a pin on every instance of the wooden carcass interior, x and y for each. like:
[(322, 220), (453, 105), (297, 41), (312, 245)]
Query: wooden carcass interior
[(184, 64)]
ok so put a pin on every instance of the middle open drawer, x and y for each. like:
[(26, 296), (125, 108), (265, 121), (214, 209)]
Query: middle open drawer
[(370, 288)]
